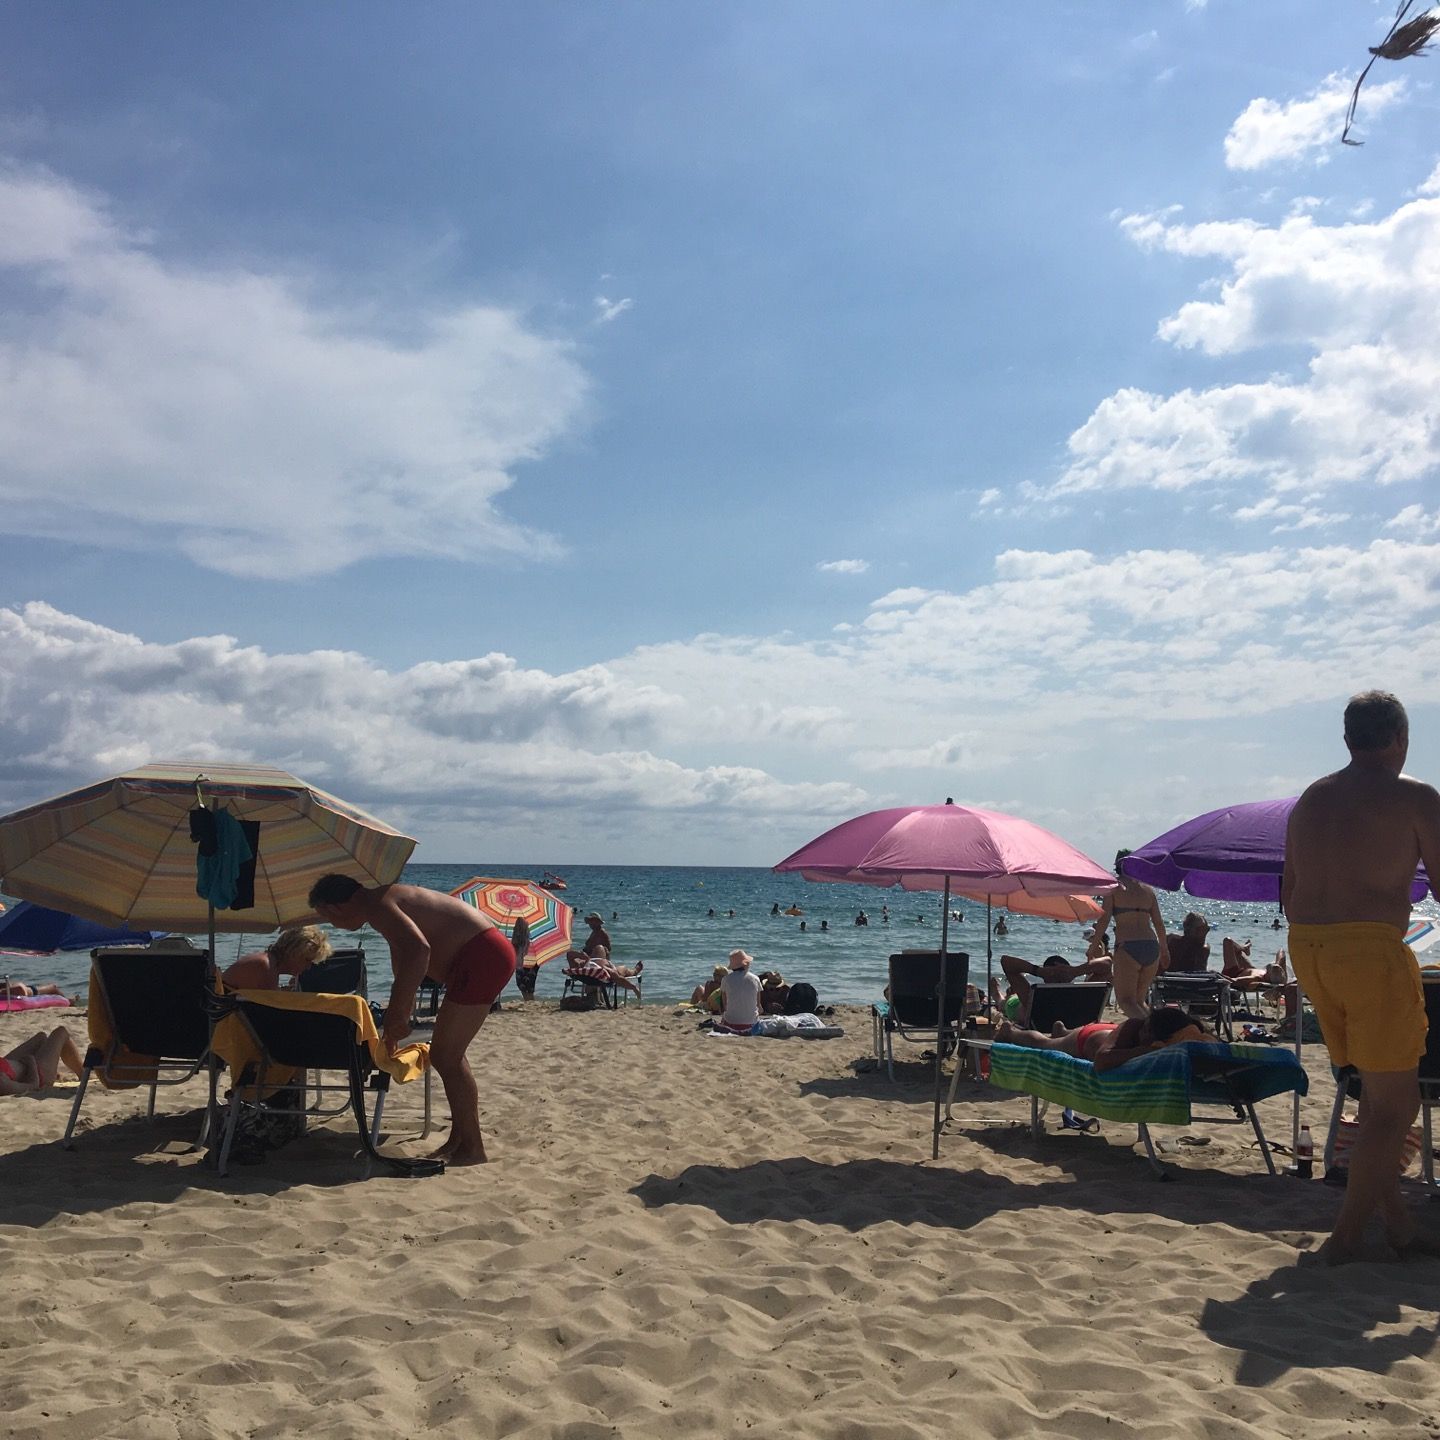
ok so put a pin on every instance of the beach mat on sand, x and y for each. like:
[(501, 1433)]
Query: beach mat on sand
[(782, 1027), (1158, 1088)]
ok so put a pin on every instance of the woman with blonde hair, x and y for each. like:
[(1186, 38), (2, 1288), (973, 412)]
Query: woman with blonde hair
[(286, 956)]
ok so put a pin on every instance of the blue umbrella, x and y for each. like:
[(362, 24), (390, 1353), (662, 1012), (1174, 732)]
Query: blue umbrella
[(39, 931)]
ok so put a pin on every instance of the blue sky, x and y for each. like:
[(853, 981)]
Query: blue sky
[(655, 432)]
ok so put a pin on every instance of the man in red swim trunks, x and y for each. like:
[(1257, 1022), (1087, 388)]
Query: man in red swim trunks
[(432, 934)]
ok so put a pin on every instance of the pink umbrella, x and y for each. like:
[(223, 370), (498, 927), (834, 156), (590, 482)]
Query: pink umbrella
[(954, 849)]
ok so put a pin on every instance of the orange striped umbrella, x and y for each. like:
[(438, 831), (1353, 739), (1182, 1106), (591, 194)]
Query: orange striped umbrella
[(506, 901), (120, 851)]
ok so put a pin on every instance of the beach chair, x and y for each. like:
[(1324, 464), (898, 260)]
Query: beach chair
[(1205, 994), (149, 1022), (911, 1007), (288, 1040), (1082, 1002), (1162, 1088), (586, 988), (1348, 1087), (342, 972), (427, 1001)]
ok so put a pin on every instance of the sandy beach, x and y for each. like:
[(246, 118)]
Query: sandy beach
[(687, 1236)]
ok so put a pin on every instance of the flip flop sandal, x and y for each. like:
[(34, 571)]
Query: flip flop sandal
[(1086, 1124)]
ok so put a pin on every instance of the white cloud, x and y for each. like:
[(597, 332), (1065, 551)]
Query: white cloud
[(1269, 131), (607, 310), (434, 745), (1359, 298), (1430, 185), (843, 567), (1416, 522), (151, 401), (1059, 665)]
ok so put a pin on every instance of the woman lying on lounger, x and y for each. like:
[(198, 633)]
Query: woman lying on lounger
[(1106, 1045), (32, 1066)]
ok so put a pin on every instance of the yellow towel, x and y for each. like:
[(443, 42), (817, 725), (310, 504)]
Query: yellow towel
[(233, 1044)]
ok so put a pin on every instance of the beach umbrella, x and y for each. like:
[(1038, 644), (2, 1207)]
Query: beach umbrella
[(955, 849), (119, 851), (36, 930), (506, 901), (1235, 853)]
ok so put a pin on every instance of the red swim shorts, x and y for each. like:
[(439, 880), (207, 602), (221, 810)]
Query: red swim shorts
[(481, 969)]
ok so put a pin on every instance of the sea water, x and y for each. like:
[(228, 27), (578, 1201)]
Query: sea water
[(682, 922)]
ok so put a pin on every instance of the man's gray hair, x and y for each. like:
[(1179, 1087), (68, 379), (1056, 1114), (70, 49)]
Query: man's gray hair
[(1373, 719)]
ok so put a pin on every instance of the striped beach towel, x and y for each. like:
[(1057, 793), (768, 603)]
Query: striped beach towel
[(1157, 1088)]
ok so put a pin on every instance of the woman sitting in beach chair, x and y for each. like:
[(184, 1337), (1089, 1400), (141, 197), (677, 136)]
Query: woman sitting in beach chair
[(1238, 970), (597, 968), (1108, 1045), (290, 953), (33, 1066)]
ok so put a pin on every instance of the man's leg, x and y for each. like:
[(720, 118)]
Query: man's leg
[(1008, 1034), (455, 1027), (1390, 1101)]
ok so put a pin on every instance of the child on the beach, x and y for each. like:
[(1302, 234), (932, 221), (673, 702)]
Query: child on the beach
[(31, 1067), (1108, 1045)]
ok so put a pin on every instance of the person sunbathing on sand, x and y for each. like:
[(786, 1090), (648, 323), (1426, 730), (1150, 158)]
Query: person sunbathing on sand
[(18, 990), (31, 1067), (703, 994), (1108, 1045)]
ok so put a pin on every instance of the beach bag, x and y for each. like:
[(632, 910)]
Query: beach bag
[(802, 1000), (1345, 1134)]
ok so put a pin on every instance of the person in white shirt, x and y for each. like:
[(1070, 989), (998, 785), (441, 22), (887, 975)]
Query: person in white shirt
[(741, 990)]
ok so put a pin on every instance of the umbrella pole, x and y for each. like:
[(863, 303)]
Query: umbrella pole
[(940, 1026), (989, 961)]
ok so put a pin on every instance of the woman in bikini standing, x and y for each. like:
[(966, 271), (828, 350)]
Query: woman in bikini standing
[(1140, 944)]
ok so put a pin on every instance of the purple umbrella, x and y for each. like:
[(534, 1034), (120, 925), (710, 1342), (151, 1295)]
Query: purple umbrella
[(953, 848), (1237, 853)]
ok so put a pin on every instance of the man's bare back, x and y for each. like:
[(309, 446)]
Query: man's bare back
[(1354, 840), (444, 921)]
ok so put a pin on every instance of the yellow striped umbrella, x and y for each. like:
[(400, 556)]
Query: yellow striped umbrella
[(120, 851)]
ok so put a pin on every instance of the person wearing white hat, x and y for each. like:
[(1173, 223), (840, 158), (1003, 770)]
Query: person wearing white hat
[(741, 990)]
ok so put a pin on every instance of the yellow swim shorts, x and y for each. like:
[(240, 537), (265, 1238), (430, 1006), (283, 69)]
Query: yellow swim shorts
[(1365, 986)]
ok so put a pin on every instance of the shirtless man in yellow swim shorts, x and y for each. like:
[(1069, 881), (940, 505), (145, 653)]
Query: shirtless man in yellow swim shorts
[(1354, 840)]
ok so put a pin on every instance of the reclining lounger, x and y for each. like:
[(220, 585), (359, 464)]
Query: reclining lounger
[(1157, 1089)]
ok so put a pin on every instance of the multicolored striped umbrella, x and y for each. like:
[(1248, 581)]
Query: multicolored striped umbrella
[(120, 851), (506, 901)]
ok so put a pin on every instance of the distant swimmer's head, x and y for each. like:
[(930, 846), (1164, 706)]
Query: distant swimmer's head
[(1119, 856), (1375, 720), (739, 960)]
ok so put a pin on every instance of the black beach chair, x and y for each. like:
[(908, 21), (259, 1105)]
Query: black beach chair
[(304, 1040), (1205, 994), (911, 1008), (156, 999), (342, 972), (1082, 1002)]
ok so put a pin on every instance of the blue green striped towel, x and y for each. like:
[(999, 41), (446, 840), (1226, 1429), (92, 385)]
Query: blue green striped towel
[(1157, 1088)]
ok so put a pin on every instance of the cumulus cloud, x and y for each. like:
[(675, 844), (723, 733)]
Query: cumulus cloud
[(225, 411), (843, 567), (1059, 664), (1268, 131), (437, 744), (1358, 297)]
